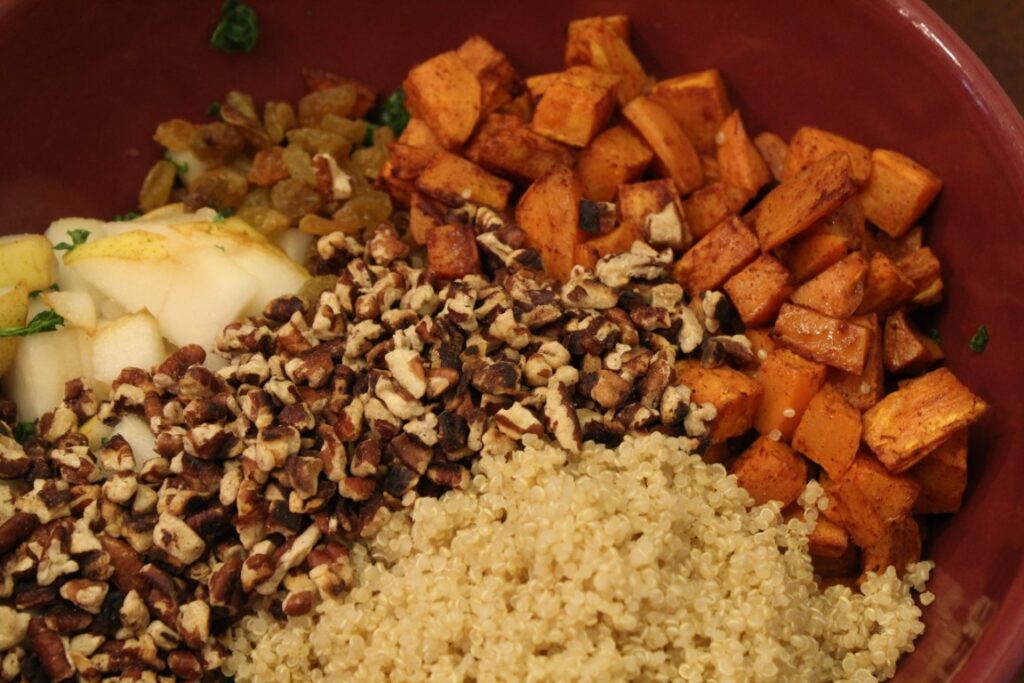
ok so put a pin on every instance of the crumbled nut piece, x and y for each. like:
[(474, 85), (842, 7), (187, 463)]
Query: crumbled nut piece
[(691, 334), (13, 460), (640, 262), (423, 429), (561, 417), (177, 539), (516, 421), (274, 445), (406, 367), (54, 563), (696, 422), (49, 648), (13, 627), (86, 594), (585, 292)]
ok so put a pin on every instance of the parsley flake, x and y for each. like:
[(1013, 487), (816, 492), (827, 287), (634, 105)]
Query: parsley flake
[(238, 28), (213, 110), (980, 339), (52, 288), (391, 112), (44, 321), (77, 237), (23, 430), (129, 216), (222, 214), (180, 167), (933, 334)]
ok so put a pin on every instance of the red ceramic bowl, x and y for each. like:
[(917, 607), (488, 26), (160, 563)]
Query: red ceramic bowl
[(83, 84)]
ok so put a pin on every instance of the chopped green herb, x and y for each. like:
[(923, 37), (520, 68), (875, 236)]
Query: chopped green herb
[(391, 112), (180, 167), (130, 216), (213, 111), (222, 214), (77, 237), (238, 28), (44, 321), (933, 334), (52, 288), (104, 440), (220, 247), (23, 430), (980, 339)]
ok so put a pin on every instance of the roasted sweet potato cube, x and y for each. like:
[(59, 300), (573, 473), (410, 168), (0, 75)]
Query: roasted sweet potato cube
[(822, 338), (655, 206), (698, 102), (810, 144), (399, 189), (798, 202), (864, 389), (455, 181), (839, 290), (905, 348), (716, 257), (734, 395), (829, 431), (811, 254), (520, 106), (761, 342), (789, 383), (408, 162), (708, 206), (770, 470), (910, 422), (452, 252), (576, 106), (424, 215), (537, 85), (838, 570), (418, 134), (885, 287), (588, 253), (773, 150), (898, 248), (674, 154), (898, 191), (847, 221), (739, 162), (616, 156), (899, 546), (827, 539), (599, 42), (759, 290), (549, 213), (942, 476), (498, 79), (506, 146), (446, 95), (868, 497), (924, 269)]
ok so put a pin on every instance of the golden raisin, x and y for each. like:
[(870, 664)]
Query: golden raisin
[(243, 103), (278, 119), (363, 211), (353, 131), (219, 188), (217, 143), (268, 167), (299, 163), (264, 219), (259, 196), (156, 188), (339, 100), (314, 141), (317, 225), (294, 198), (175, 134)]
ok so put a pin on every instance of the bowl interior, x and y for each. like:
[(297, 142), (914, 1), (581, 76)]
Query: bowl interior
[(84, 87)]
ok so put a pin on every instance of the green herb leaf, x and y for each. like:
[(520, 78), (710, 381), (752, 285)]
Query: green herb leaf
[(391, 112), (44, 321), (179, 167), (222, 214), (23, 430), (238, 28), (213, 111), (104, 440), (130, 216), (77, 237), (933, 334), (52, 288), (980, 339)]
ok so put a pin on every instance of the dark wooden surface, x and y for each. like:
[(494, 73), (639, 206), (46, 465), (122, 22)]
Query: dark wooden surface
[(995, 31)]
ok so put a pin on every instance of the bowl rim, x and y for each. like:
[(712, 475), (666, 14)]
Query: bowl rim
[(997, 655)]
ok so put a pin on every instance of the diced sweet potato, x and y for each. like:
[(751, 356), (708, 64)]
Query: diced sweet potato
[(822, 338), (675, 156), (446, 95), (599, 42), (708, 206), (418, 134), (812, 254), (537, 85), (506, 146), (798, 202), (839, 290), (827, 539), (520, 106), (399, 189), (408, 162), (924, 269), (698, 102), (906, 349), (898, 191), (774, 151), (424, 215), (868, 498), (770, 470), (734, 395), (811, 144), (637, 202), (910, 422), (616, 156), (829, 431), (588, 253), (452, 251), (759, 290), (739, 162), (847, 221), (709, 164), (838, 570), (863, 390), (761, 342), (498, 79), (454, 181), (789, 382), (885, 287), (899, 546), (576, 106), (898, 248), (942, 476), (719, 255), (549, 212)]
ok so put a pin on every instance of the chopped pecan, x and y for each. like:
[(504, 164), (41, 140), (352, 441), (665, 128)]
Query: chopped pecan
[(177, 539), (561, 417), (416, 456), (49, 648), (13, 627), (86, 594), (184, 665), (15, 530), (63, 618), (14, 462)]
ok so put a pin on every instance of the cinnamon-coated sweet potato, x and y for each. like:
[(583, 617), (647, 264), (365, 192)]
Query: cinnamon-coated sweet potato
[(942, 476), (549, 213), (538, 84), (829, 431), (905, 348), (811, 254), (810, 144), (455, 180), (839, 290), (789, 383), (759, 290), (867, 497), (708, 206), (898, 546), (761, 343), (885, 287), (424, 215), (498, 79), (506, 146), (576, 105), (739, 162), (925, 271), (774, 151), (675, 156), (898, 191), (734, 395), (698, 102), (616, 156), (588, 253), (602, 43), (446, 95), (822, 338), (452, 252), (654, 205), (864, 389), (770, 470), (716, 257)]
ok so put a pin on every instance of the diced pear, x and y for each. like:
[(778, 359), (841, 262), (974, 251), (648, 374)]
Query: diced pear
[(13, 313), (95, 430), (131, 341), (187, 159), (76, 307), (28, 259), (294, 243), (139, 436), (133, 245), (275, 274), (44, 362), (132, 268)]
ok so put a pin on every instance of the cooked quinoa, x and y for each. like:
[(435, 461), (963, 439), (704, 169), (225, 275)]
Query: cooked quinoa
[(635, 563)]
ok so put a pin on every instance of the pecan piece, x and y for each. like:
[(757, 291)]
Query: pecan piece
[(49, 648)]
